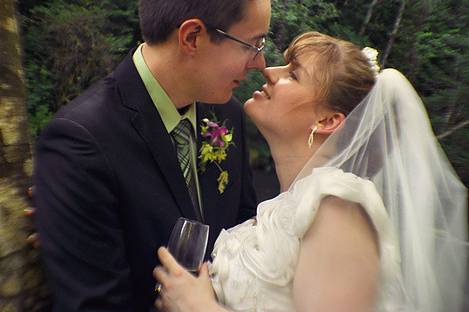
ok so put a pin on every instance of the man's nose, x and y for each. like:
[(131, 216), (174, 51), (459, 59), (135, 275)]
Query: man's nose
[(258, 62)]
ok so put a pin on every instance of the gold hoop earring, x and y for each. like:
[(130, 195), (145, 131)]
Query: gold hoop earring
[(311, 136)]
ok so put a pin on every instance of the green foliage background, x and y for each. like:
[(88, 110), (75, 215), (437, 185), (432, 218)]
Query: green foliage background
[(70, 44)]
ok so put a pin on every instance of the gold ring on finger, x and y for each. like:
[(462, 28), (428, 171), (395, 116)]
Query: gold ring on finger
[(158, 288)]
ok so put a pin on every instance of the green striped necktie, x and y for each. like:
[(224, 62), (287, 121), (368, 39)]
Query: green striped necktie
[(182, 136)]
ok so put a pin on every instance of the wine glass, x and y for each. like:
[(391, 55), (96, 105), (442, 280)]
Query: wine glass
[(187, 244)]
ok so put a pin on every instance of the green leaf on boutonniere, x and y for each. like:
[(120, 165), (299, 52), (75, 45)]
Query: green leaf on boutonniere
[(223, 179)]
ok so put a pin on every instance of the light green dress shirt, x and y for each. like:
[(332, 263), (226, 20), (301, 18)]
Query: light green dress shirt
[(168, 112)]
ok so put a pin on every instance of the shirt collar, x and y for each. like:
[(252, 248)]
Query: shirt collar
[(166, 108)]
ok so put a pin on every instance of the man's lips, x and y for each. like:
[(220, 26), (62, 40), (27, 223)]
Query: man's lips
[(238, 81)]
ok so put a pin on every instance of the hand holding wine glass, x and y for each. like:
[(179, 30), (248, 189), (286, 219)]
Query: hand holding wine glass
[(180, 290), (187, 244)]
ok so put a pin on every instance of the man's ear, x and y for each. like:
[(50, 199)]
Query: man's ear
[(189, 35), (330, 123)]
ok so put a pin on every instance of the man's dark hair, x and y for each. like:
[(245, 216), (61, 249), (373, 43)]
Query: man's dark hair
[(159, 18)]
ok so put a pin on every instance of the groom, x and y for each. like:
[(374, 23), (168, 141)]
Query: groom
[(118, 165)]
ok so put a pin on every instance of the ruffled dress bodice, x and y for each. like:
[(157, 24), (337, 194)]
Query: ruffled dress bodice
[(254, 262)]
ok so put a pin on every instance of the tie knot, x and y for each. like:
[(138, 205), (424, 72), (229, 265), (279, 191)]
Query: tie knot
[(183, 132)]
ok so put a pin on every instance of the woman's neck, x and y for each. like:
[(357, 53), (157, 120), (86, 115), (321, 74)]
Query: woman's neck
[(289, 159)]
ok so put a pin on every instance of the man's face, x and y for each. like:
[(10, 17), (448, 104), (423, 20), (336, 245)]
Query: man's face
[(224, 64)]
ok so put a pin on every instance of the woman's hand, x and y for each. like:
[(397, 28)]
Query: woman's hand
[(180, 290), (33, 237)]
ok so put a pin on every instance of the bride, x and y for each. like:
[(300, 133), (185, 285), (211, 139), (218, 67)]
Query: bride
[(371, 216)]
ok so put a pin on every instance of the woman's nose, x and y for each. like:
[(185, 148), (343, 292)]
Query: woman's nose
[(271, 74)]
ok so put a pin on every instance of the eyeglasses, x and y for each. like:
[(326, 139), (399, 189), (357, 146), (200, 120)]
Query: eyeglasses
[(260, 45)]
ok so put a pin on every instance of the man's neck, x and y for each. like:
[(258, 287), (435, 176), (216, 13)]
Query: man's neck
[(165, 66)]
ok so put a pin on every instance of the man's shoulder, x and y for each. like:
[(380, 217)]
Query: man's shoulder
[(102, 96), (91, 101)]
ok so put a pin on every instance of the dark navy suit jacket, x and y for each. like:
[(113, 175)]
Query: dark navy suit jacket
[(109, 190)]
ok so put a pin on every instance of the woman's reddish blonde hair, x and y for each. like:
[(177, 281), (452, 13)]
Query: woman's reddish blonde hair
[(340, 71)]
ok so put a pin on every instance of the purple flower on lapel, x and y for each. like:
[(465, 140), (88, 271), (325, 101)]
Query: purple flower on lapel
[(218, 135), (217, 139)]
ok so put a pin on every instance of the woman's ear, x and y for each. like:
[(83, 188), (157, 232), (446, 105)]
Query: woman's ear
[(330, 123), (189, 34)]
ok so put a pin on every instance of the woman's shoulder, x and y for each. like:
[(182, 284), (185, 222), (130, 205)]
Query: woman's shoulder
[(334, 187), (331, 179)]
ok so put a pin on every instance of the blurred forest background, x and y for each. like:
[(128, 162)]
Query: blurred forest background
[(69, 44)]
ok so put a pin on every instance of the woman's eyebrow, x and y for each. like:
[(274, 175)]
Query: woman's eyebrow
[(297, 68)]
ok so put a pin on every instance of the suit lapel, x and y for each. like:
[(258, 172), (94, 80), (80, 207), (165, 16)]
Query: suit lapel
[(147, 122)]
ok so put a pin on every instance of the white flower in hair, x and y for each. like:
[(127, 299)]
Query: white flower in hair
[(372, 56)]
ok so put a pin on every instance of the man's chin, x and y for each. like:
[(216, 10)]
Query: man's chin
[(222, 99)]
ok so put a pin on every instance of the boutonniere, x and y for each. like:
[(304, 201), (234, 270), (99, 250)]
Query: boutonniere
[(216, 140)]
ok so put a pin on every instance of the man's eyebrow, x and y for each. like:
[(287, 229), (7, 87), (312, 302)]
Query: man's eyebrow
[(259, 36)]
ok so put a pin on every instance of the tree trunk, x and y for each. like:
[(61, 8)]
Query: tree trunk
[(368, 16), (392, 38), (21, 280), (453, 129), (420, 13)]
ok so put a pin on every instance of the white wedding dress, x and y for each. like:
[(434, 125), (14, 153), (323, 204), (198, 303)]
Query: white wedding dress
[(421, 227), (254, 262)]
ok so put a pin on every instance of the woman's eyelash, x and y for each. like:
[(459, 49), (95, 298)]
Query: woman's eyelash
[(293, 75)]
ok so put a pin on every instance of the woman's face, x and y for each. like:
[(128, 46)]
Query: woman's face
[(287, 105)]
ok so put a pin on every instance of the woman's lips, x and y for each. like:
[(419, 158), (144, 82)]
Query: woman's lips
[(261, 93), (266, 93), (258, 95)]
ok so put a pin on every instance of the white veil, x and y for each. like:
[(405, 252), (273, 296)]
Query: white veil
[(388, 139)]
